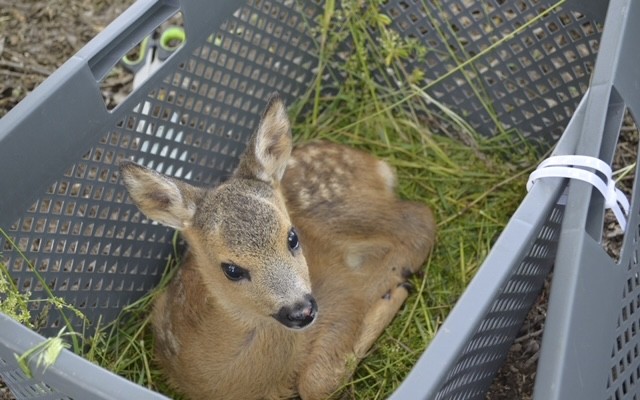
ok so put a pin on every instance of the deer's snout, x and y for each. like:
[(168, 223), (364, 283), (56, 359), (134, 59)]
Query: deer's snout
[(299, 315)]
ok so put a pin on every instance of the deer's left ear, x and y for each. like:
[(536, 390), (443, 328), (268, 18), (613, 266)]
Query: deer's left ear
[(270, 147)]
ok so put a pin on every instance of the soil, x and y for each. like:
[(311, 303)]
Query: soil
[(37, 36)]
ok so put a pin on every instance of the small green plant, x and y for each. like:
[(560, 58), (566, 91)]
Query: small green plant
[(51, 300), (45, 353), (12, 302), (15, 304)]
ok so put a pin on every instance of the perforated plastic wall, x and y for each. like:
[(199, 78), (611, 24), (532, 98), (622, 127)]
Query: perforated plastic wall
[(623, 380), (24, 387), (487, 349), (591, 343), (531, 83)]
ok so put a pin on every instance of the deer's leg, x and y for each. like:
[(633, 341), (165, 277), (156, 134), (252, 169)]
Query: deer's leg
[(378, 318), (329, 365), (338, 349)]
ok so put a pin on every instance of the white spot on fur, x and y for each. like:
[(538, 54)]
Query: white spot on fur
[(387, 175), (173, 342), (170, 344), (353, 260), (304, 198)]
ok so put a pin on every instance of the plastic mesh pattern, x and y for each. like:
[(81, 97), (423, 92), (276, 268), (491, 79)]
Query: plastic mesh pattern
[(89, 243), (622, 382), (23, 387), (485, 353), (532, 83), (624, 375)]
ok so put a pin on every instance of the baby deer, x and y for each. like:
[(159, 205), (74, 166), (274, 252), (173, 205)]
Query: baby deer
[(296, 265)]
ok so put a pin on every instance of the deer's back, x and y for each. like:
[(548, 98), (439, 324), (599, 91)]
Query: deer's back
[(351, 221), (326, 180)]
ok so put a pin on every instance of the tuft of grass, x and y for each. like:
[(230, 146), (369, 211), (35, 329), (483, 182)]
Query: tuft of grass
[(44, 354), (12, 302), (13, 296)]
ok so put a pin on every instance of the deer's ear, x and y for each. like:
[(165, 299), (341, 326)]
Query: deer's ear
[(270, 147), (161, 198)]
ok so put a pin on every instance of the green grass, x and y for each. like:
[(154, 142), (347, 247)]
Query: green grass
[(13, 303), (472, 183)]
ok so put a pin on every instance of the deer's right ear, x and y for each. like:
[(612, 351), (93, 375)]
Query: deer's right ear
[(166, 200), (270, 147)]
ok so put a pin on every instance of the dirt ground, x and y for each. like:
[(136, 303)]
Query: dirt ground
[(37, 36)]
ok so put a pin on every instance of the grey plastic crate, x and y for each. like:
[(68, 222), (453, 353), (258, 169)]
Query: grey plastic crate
[(591, 344), (70, 215)]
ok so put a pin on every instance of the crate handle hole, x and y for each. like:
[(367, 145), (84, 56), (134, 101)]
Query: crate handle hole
[(143, 60)]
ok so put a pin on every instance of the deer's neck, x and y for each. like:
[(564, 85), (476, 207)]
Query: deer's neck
[(241, 353), (263, 355)]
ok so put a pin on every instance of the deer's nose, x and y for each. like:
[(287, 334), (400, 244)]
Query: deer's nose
[(298, 315)]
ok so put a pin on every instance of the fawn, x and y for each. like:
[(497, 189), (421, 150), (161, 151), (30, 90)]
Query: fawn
[(296, 265)]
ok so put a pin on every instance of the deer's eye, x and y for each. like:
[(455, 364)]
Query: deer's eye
[(235, 273), (292, 240)]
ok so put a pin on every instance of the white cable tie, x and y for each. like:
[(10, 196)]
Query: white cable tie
[(573, 167)]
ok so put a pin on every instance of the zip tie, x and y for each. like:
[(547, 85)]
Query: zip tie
[(572, 167)]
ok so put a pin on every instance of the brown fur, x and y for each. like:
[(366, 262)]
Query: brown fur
[(217, 338)]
